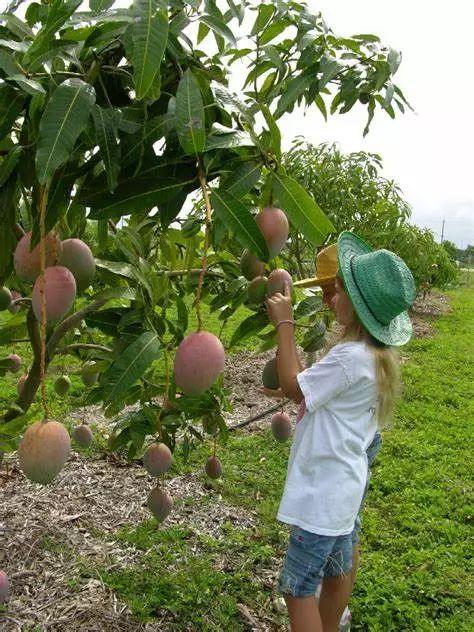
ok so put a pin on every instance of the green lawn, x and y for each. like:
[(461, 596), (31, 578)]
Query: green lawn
[(416, 567)]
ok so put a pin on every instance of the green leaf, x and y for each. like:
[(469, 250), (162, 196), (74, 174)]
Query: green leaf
[(64, 118), (292, 91), (237, 9), (116, 267), (273, 30), (134, 196), (371, 111), (227, 138), (265, 12), (27, 85), (16, 26), (13, 328), (314, 339), (149, 36), (237, 217), (59, 11), (97, 6), (190, 115), (248, 327), (104, 121), (321, 106), (219, 27), (301, 209), (202, 32), (7, 63), (130, 366), (275, 135), (11, 104), (9, 163), (329, 68), (19, 47), (308, 306), (242, 179), (394, 59), (366, 37)]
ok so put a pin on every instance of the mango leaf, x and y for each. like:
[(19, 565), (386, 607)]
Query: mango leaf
[(155, 128), (220, 139), (27, 85), (237, 217), (190, 115), (13, 328), (314, 339), (308, 306), (149, 36), (275, 134), (9, 163), (106, 133), (16, 26), (329, 68), (301, 209), (130, 366), (64, 118), (18, 47), (97, 6), (251, 325), (59, 11), (237, 9), (136, 196), (273, 30), (7, 63), (264, 15), (242, 179), (219, 27), (116, 267), (291, 93), (11, 104)]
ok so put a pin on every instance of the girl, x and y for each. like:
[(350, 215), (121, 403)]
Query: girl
[(344, 397)]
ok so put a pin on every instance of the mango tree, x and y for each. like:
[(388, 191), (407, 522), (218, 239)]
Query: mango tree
[(132, 176)]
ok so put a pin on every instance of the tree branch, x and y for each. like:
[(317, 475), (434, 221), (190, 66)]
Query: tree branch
[(266, 412)]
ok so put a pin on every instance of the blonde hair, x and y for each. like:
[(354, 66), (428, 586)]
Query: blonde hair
[(387, 370)]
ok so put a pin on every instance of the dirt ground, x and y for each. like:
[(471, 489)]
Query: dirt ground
[(40, 527)]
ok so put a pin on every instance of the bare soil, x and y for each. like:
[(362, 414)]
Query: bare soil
[(43, 531)]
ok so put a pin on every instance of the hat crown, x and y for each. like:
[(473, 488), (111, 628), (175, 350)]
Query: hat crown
[(326, 262), (385, 282)]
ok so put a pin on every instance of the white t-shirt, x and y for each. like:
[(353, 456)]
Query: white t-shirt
[(327, 468)]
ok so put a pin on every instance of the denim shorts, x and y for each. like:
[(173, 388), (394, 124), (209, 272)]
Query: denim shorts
[(309, 558), (372, 451)]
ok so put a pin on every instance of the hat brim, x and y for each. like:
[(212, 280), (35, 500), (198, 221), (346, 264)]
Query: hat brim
[(315, 281), (399, 331)]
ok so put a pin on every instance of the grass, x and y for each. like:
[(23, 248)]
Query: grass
[(416, 554)]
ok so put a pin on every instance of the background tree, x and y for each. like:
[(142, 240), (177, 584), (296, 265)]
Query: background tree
[(355, 196), (451, 249)]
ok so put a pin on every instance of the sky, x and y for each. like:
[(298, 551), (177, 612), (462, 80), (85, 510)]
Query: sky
[(429, 152)]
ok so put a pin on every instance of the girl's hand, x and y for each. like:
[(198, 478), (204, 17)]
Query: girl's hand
[(272, 392), (279, 306)]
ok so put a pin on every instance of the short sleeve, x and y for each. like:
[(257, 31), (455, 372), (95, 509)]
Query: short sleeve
[(324, 380)]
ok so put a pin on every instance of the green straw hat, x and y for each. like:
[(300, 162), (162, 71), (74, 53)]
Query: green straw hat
[(380, 287)]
